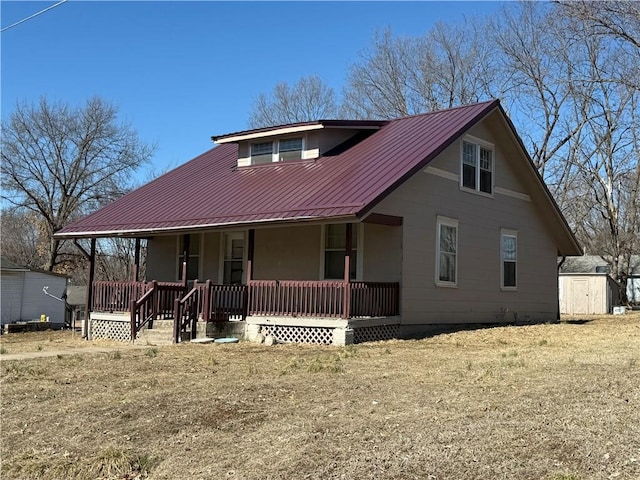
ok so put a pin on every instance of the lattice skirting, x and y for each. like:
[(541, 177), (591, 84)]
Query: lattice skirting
[(113, 330), (324, 335), (295, 334), (375, 333)]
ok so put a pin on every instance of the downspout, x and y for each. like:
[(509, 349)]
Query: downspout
[(564, 257)]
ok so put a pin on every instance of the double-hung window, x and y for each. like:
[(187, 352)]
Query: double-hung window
[(276, 151), (290, 149), (447, 252), (477, 166), (261, 153), (508, 259)]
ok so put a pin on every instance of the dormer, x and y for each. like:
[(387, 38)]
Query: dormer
[(298, 141)]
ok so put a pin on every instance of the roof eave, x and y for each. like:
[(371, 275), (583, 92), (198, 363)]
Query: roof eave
[(148, 232)]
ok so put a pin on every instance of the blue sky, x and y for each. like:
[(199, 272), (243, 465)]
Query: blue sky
[(181, 72)]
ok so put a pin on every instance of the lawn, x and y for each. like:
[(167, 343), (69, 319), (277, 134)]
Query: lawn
[(557, 402)]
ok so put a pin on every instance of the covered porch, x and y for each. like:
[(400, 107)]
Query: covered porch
[(333, 311)]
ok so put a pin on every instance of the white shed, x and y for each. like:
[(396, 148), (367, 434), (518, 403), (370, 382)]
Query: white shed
[(587, 293), (586, 286), (22, 296)]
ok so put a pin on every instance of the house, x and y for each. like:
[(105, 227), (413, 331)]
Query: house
[(340, 231), (587, 287), (29, 294)]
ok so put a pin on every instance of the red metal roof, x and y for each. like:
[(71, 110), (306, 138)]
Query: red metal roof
[(211, 190)]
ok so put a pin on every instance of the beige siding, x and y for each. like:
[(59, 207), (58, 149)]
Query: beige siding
[(382, 256), (331, 138), (287, 253), (161, 259), (478, 296), (211, 254)]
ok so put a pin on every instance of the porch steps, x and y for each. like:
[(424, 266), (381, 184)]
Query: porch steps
[(162, 333)]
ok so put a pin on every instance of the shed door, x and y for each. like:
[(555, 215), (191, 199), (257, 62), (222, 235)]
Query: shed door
[(580, 296)]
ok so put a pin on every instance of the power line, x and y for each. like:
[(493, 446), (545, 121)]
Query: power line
[(32, 16)]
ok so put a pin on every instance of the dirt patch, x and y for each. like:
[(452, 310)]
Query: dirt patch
[(537, 402)]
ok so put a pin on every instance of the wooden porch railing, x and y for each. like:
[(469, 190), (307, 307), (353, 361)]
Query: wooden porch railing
[(186, 312), (323, 298), (156, 303), (374, 299), (117, 296), (148, 301)]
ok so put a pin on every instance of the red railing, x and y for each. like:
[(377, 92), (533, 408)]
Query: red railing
[(116, 296), (157, 303), (226, 302), (374, 299), (186, 312), (296, 298), (147, 301)]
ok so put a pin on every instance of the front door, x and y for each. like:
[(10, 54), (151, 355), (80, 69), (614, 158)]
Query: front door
[(233, 258)]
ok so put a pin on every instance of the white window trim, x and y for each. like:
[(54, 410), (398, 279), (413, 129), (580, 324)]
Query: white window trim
[(505, 232), (233, 233), (275, 148), (452, 222), (359, 251), (179, 253), (489, 146)]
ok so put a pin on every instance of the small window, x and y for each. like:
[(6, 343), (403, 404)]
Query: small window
[(509, 259), (290, 149), (335, 249), (447, 252), (261, 153), (477, 167)]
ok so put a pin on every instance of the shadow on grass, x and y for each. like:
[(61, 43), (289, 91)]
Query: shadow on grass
[(577, 321)]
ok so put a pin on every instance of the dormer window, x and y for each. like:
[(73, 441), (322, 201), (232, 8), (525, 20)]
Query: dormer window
[(261, 153), (276, 151), (290, 149)]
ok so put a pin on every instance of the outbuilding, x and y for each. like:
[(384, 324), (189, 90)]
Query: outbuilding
[(29, 294)]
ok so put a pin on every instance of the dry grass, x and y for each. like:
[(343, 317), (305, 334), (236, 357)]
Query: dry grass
[(557, 402), (47, 341)]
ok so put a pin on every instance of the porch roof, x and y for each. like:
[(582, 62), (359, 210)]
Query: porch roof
[(211, 191)]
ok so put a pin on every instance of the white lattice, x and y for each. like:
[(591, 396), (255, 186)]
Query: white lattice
[(111, 329), (375, 333), (291, 334)]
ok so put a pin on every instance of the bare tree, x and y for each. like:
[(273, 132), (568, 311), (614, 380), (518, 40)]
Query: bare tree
[(23, 240), (619, 19), (449, 66), (308, 99), (61, 162), (606, 161), (540, 62)]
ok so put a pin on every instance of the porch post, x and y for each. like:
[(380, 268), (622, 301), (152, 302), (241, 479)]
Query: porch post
[(348, 252), (136, 261), (185, 258), (250, 253), (89, 303)]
